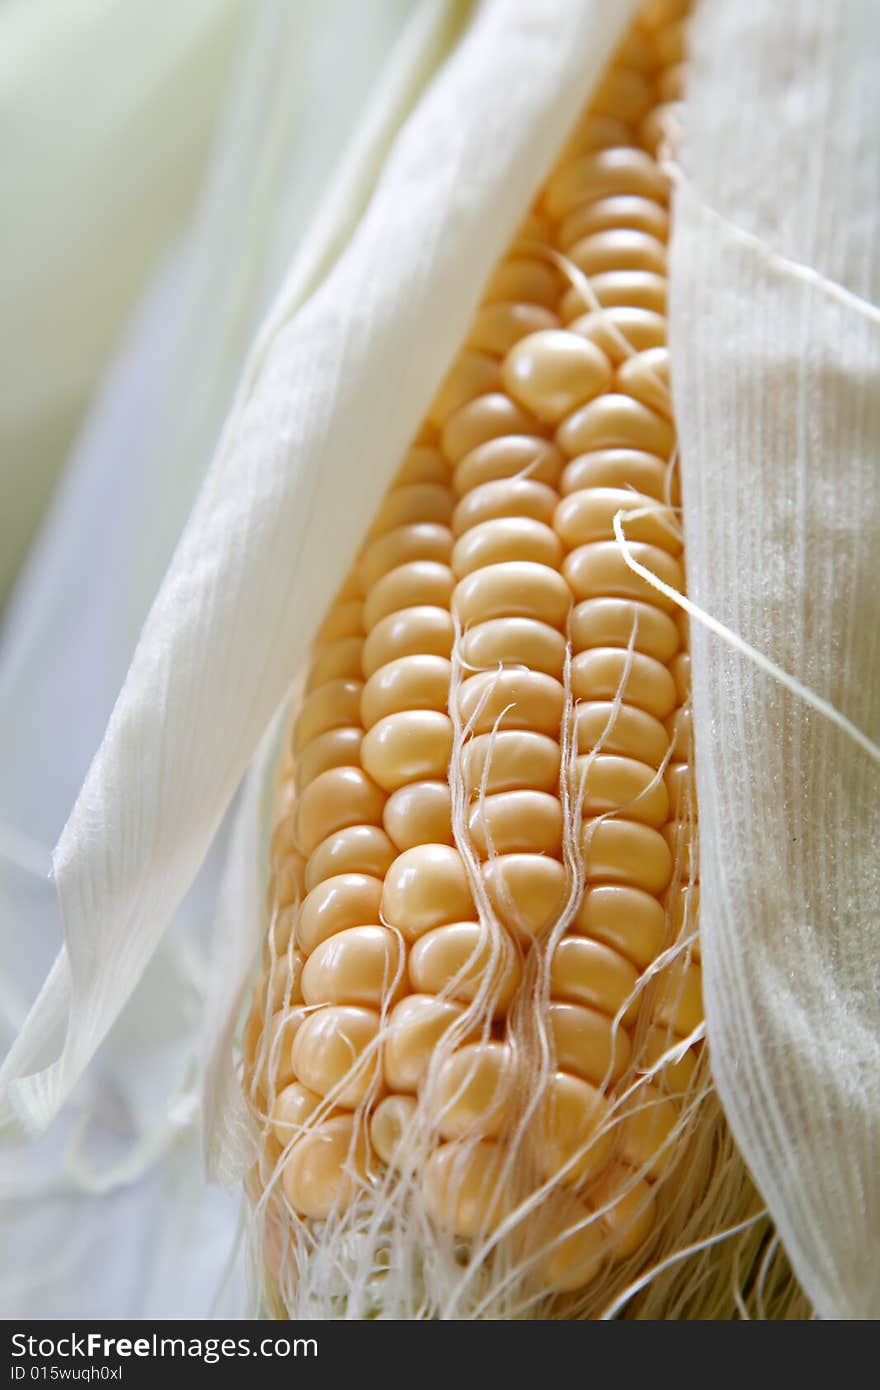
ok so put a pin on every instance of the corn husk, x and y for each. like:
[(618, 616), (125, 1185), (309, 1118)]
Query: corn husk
[(775, 342)]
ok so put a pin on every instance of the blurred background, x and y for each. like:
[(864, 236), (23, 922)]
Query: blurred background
[(165, 166)]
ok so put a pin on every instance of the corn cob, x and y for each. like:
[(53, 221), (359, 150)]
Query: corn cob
[(481, 980)]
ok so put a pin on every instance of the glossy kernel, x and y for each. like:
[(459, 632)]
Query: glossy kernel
[(324, 1167), (552, 373), (361, 965), (426, 887), (409, 746), (474, 1090), (332, 1053), (466, 961), (415, 1030), (462, 1186)]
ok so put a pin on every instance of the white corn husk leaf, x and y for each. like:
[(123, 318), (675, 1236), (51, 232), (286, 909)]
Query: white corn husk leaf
[(775, 345)]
